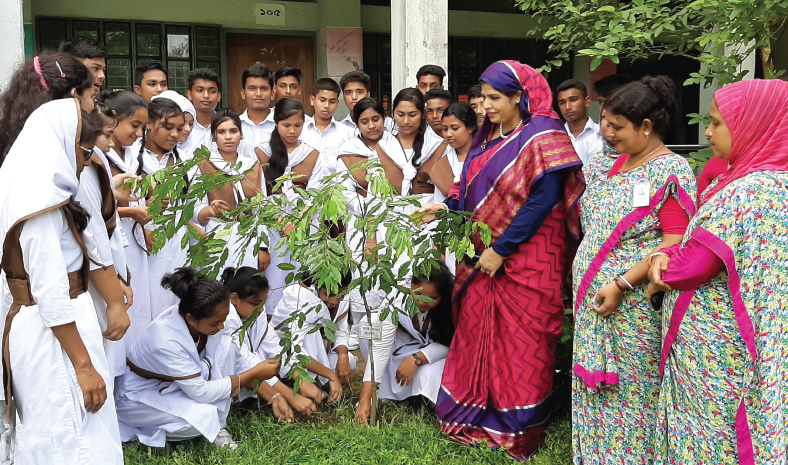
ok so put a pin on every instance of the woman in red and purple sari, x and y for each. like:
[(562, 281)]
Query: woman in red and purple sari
[(522, 178)]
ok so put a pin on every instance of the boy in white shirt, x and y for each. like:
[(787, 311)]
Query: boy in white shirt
[(257, 91), (573, 101), (205, 93), (355, 86), (322, 131)]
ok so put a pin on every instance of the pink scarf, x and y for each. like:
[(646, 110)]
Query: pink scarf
[(756, 112)]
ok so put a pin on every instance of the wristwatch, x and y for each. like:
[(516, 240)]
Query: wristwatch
[(419, 362)]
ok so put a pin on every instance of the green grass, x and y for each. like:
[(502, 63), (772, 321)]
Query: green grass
[(408, 434)]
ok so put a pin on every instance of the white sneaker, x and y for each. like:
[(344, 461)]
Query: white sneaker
[(223, 439)]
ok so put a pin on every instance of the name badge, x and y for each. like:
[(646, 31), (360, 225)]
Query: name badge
[(372, 331), (641, 194)]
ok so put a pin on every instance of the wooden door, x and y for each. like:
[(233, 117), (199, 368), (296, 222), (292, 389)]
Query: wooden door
[(243, 50)]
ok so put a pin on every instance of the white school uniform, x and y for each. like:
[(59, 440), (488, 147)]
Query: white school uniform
[(136, 255), (327, 143), (375, 298), (259, 339), (109, 249), (407, 342), (438, 197), (299, 299), (388, 124), (53, 425), (239, 253), (276, 277), (588, 142), (257, 134), (154, 410), (171, 255)]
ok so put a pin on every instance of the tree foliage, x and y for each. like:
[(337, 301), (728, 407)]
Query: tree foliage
[(720, 34), (310, 216)]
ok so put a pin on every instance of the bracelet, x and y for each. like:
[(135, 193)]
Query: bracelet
[(622, 278), (620, 285), (651, 257), (274, 397), (239, 381)]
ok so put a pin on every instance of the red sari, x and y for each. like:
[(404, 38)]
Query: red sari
[(499, 371)]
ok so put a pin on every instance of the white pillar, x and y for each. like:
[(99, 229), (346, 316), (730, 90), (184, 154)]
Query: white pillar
[(419, 36), (12, 40)]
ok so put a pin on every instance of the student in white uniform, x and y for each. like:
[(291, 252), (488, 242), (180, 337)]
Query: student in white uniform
[(285, 153), (373, 143), (150, 79), (573, 101), (257, 82), (322, 131), (157, 150), (225, 158), (249, 290), (355, 86), (185, 369), (459, 127), (419, 347), (132, 114), (300, 311), (205, 93), (189, 116), (108, 270), (53, 331)]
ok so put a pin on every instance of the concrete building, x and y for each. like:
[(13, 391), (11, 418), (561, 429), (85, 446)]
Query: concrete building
[(322, 37)]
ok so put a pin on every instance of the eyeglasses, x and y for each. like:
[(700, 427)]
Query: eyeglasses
[(86, 152)]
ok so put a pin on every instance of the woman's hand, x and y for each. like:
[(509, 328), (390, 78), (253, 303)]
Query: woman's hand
[(117, 321), (659, 265), (267, 369), (300, 403), (150, 240), (343, 368), (431, 210), (489, 262), (94, 390), (406, 371), (128, 294), (165, 202), (217, 208), (123, 192), (310, 391), (608, 299), (263, 260), (364, 404), (282, 410), (140, 214), (335, 390)]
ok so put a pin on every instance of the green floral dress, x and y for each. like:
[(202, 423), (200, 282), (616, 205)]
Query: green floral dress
[(616, 359), (724, 396)]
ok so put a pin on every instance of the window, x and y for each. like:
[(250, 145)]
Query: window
[(181, 47)]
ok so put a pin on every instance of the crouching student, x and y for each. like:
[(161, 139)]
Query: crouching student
[(419, 348), (249, 289), (185, 369), (303, 299)]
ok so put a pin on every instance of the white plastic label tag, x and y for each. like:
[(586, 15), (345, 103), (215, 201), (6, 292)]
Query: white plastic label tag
[(372, 331), (641, 194)]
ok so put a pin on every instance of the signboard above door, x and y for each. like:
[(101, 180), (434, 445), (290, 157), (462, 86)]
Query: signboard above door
[(269, 14)]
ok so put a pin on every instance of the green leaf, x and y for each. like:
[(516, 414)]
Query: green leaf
[(286, 266)]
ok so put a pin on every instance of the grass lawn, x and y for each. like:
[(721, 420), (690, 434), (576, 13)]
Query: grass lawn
[(409, 434)]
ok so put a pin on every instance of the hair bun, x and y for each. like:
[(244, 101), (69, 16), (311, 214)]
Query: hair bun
[(181, 282), (228, 274), (664, 87)]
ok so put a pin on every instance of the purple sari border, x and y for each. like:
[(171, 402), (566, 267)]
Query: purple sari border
[(595, 380), (633, 217), (504, 422)]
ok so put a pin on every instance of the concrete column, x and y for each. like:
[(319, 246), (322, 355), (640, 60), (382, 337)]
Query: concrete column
[(12, 40), (419, 36)]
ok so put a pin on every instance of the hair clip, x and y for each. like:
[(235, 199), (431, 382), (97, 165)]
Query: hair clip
[(62, 74)]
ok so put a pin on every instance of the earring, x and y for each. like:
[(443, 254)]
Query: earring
[(646, 133)]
